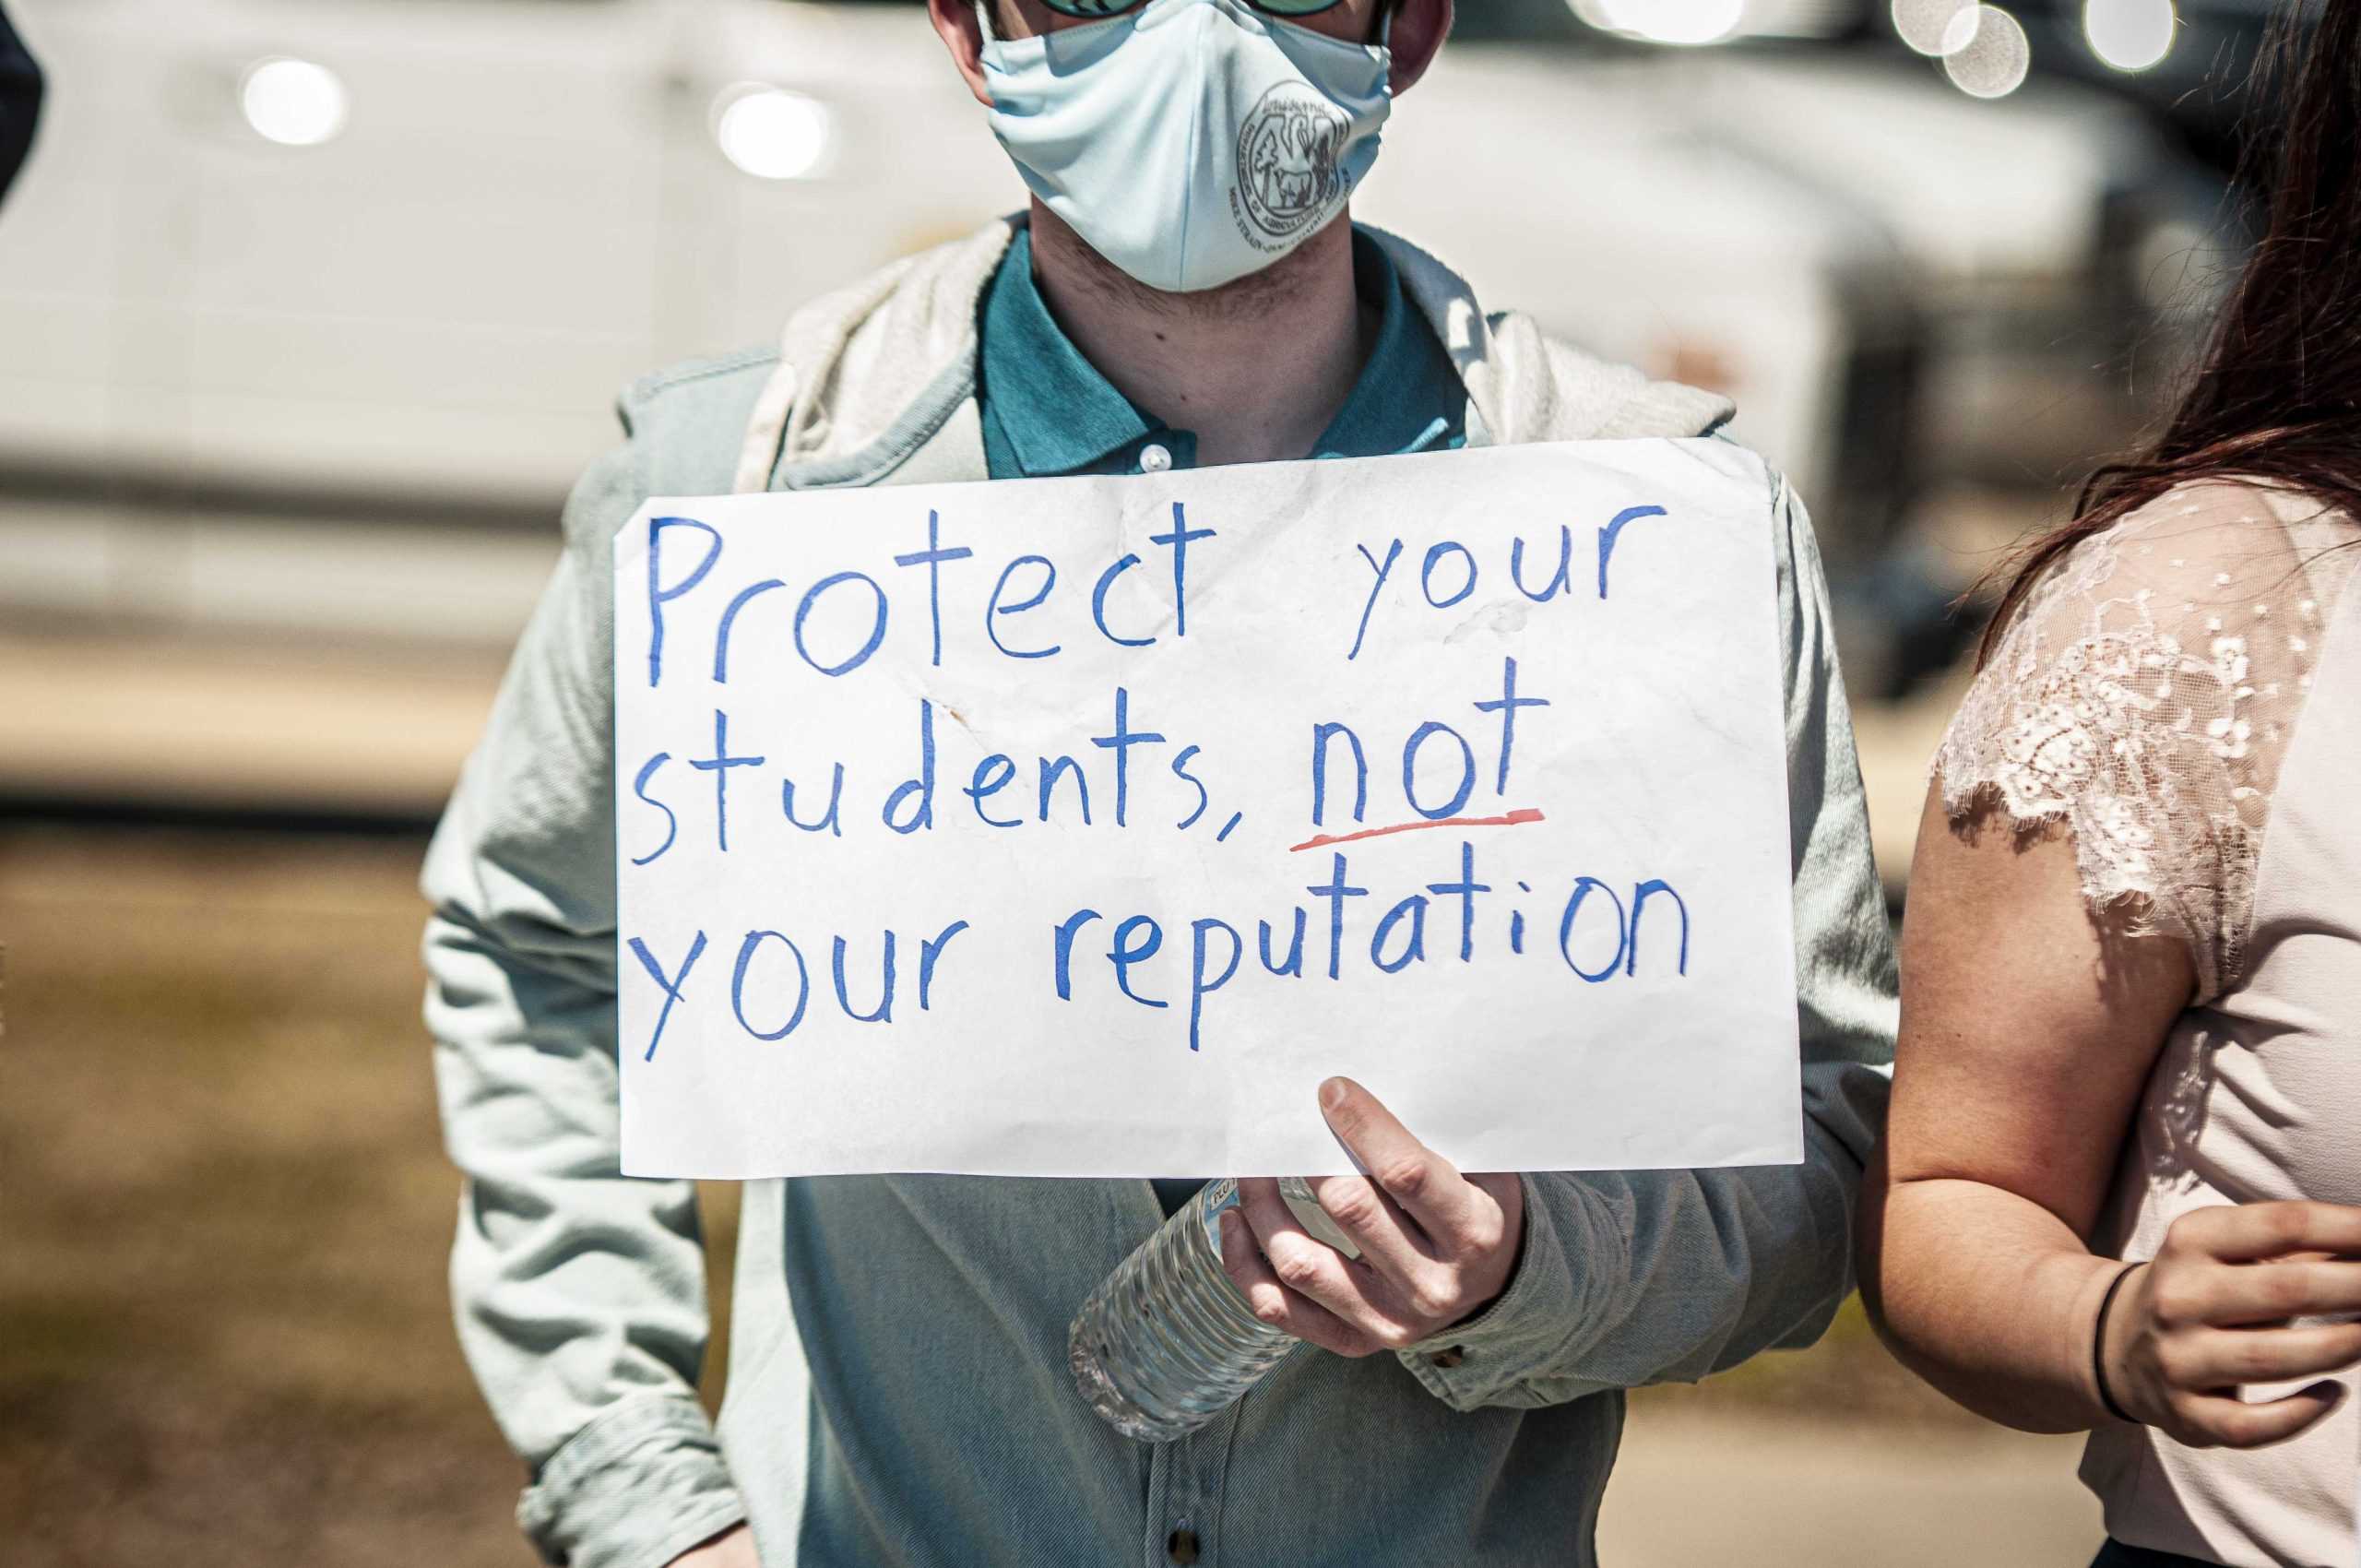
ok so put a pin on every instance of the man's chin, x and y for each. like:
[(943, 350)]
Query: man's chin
[(1254, 293)]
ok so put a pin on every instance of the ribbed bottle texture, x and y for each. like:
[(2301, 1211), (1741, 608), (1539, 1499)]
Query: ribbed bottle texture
[(1167, 1343)]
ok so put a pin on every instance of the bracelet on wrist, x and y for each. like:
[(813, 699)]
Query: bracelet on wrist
[(2098, 1345)]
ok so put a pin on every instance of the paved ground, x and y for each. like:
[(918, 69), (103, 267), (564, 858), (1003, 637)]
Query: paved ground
[(223, 1336), (143, 721), (1734, 1487)]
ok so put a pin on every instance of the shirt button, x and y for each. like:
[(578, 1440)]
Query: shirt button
[(1449, 1358), (1181, 1545), (1155, 459)]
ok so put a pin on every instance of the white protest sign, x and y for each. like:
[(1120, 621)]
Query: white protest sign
[(1082, 826)]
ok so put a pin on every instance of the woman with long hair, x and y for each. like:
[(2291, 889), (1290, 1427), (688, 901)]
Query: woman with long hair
[(2122, 1184)]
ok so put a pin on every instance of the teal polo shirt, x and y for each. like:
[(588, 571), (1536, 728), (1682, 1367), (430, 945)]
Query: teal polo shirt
[(1047, 412)]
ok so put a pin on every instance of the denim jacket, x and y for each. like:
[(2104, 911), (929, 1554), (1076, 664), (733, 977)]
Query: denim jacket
[(899, 1389)]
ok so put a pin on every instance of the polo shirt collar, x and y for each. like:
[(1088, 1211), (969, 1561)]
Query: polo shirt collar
[(1061, 417), (1059, 413), (1401, 401)]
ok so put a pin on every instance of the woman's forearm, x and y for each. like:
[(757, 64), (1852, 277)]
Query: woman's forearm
[(2029, 1029), (1991, 1297)]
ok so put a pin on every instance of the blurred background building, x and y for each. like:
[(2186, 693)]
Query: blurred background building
[(310, 311)]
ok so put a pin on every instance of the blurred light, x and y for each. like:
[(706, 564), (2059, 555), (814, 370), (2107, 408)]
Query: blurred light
[(1927, 25), (1674, 21), (771, 133), (293, 103), (1689, 21), (2130, 35), (1989, 54)]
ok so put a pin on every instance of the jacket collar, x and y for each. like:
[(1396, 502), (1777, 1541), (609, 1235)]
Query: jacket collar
[(876, 383)]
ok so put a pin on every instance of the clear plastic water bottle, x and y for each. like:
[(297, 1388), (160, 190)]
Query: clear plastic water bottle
[(1167, 1343)]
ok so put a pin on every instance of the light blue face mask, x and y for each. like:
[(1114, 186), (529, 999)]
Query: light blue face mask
[(1190, 142)]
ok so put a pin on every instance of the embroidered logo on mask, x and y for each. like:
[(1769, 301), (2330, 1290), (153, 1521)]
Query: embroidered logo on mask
[(1287, 165)]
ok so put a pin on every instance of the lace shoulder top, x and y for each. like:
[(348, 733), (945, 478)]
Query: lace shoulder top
[(2145, 695)]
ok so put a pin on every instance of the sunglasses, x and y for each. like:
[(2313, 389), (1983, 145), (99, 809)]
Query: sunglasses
[(1096, 8)]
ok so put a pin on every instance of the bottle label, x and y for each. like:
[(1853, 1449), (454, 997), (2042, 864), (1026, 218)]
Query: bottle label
[(1217, 1197)]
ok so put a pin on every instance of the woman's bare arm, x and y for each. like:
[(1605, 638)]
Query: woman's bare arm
[(2028, 1033)]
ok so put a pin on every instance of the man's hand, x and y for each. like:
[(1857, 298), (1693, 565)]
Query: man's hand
[(1437, 1247), (734, 1547)]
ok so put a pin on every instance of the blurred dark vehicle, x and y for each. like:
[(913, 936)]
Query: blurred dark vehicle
[(21, 89), (2055, 283)]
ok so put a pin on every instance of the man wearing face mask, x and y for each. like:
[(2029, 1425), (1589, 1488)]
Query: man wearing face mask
[(1186, 289)]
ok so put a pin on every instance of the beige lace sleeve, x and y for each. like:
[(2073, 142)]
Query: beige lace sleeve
[(2145, 695)]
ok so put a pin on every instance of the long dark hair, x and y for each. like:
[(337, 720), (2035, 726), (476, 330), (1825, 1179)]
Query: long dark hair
[(2276, 395)]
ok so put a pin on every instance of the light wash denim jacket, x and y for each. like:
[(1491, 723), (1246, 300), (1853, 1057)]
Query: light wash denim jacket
[(899, 1391)]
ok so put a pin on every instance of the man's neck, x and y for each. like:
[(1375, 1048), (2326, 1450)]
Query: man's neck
[(1256, 368)]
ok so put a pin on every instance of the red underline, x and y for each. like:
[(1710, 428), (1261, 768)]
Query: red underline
[(1517, 818)]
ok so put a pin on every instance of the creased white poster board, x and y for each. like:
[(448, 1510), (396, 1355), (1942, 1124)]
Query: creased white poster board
[(1082, 826)]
